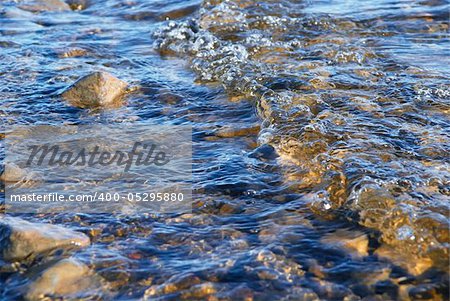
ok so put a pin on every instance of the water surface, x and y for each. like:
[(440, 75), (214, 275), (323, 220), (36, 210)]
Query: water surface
[(321, 142)]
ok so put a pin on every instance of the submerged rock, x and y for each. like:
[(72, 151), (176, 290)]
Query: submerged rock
[(20, 239), (355, 243), (13, 173), (413, 264), (178, 283), (265, 152), (66, 277), (230, 132), (78, 4), (71, 52), (45, 5), (99, 89)]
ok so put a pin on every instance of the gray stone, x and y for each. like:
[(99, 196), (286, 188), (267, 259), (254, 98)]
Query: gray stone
[(99, 89), (65, 278), (44, 5), (20, 239)]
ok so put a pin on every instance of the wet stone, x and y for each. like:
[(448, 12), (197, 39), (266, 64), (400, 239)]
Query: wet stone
[(45, 5), (98, 89), (413, 264), (13, 174), (330, 291), (66, 277), (200, 291), (78, 4), (354, 242), (20, 239), (170, 98), (228, 132), (265, 152), (179, 12), (388, 288), (172, 285), (241, 292), (228, 208), (72, 52), (423, 292)]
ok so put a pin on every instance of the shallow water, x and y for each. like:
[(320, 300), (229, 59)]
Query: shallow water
[(321, 142)]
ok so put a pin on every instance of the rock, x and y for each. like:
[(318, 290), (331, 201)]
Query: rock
[(265, 152), (45, 5), (13, 174), (414, 265), (200, 292), (228, 208), (179, 12), (230, 132), (354, 242), (99, 89), (170, 98), (20, 239), (78, 4), (66, 277), (175, 284), (71, 52)]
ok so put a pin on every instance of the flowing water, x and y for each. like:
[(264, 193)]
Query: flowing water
[(321, 138)]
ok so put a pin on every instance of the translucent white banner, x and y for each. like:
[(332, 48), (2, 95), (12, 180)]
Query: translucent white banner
[(98, 169)]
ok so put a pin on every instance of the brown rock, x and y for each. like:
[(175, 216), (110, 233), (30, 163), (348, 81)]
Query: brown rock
[(78, 4), (229, 132), (200, 292), (71, 52), (66, 277), (174, 284), (13, 173), (228, 208), (99, 89), (414, 265), (179, 12), (354, 242)]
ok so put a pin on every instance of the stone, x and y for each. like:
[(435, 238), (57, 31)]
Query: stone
[(78, 4), (228, 208), (200, 292), (66, 277), (98, 89), (71, 52), (20, 239), (13, 174), (265, 152), (413, 264), (354, 242), (230, 132), (175, 284), (45, 5), (179, 12)]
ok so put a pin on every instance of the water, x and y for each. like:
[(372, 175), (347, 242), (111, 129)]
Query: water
[(321, 142)]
